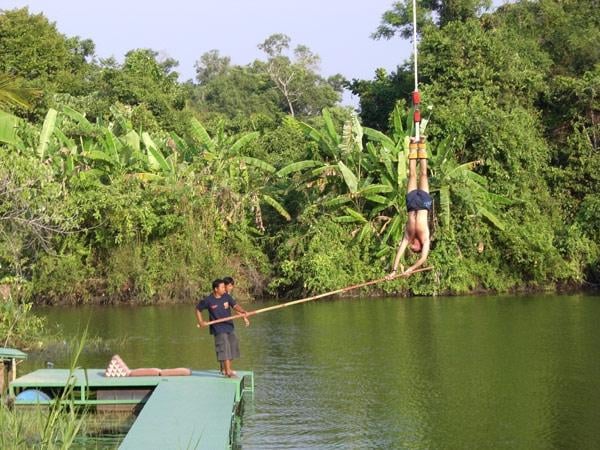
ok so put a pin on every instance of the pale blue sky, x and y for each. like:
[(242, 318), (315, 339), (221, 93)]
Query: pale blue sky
[(338, 30)]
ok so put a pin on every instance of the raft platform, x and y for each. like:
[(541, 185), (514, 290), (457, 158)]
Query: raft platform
[(199, 411)]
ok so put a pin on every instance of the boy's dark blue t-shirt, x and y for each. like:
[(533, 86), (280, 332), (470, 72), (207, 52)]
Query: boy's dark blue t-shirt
[(218, 308)]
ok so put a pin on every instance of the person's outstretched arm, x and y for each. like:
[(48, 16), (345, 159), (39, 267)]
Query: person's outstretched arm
[(201, 322), (399, 254), (241, 310)]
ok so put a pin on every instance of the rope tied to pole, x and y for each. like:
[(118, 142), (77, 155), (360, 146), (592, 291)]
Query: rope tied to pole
[(416, 95)]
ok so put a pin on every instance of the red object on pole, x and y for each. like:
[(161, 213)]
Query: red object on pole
[(416, 97), (417, 116)]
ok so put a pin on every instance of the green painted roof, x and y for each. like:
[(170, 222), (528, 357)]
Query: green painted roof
[(12, 353)]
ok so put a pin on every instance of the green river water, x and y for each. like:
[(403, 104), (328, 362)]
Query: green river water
[(461, 372)]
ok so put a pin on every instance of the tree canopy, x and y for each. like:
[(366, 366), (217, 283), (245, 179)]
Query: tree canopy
[(119, 181)]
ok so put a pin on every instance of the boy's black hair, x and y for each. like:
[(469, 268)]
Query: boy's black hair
[(228, 281), (216, 283)]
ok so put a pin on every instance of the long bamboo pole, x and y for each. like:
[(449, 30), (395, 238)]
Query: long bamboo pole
[(314, 297)]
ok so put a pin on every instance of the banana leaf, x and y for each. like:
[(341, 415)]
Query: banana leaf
[(500, 199), (47, 130), (397, 121), (377, 199), (277, 206), (467, 171), (393, 230), (405, 144), (91, 174), (324, 168), (445, 205), (389, 174), (365, 231), (97, 155), (243, 141), (372, 151), (112, 145), (257, 163), (378, 136), (156, 160), (336, 201), (353, 213), (402, 173), (349, 177), (376, 189), (69, 165), (410, 124), (123, 122), (382, 207), (498, 223), (180, 144), (8, 130), (346, 219), (65, 140), (330, 127), (311, 132), (77, 117), (132, 139), (297, 166), (200, 133), (358, 131)]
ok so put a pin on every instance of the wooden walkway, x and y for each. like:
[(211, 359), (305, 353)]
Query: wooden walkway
[(182, 415), (195, 412)]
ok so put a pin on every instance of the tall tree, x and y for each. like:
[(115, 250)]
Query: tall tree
[(33, 48), (210, 65), (399, 19), (144, 79), (302, 89)]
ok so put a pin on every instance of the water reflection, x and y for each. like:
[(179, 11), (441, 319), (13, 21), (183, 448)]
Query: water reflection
[(491, 372)]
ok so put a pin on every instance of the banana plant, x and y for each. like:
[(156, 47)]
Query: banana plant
[(458, 181), (102, 153), (364, 177), (244, 183)]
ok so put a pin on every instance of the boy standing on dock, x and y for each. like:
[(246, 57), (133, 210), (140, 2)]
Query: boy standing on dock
[(219, 304)]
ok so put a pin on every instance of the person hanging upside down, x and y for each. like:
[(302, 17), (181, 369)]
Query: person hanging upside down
[(418, 204)]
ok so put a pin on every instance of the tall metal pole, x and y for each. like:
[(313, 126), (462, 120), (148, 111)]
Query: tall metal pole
[(415, 58)]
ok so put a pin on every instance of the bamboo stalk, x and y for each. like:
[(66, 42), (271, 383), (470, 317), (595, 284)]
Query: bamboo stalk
[(314, 297)]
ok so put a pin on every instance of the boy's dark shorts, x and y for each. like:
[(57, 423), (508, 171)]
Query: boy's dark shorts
[(226, 346), (418, 200)]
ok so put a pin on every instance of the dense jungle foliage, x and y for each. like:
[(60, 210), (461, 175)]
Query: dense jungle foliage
[(118, 182)]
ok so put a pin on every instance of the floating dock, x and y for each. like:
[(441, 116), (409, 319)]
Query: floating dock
[(199, 411)]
